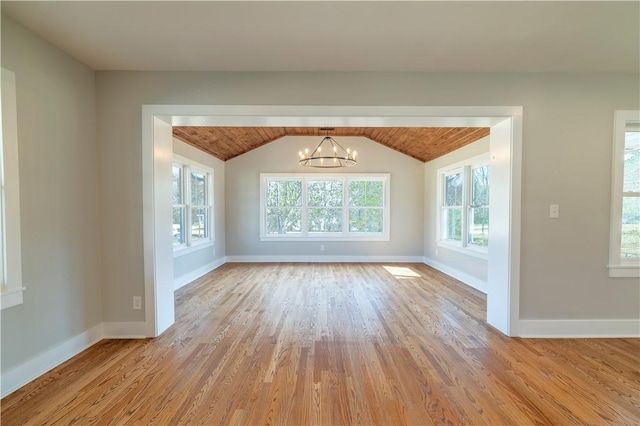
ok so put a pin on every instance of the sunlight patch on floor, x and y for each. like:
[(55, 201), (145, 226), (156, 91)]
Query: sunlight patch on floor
[(402, 272)]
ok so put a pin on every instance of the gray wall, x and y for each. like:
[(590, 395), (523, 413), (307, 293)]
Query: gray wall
[(58, 160), (82, 252), (568, 121), (187, 263), (464, 263), (243, 199)]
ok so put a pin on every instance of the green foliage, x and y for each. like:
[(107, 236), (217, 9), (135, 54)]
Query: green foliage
[(325, 193), (453, 190), (631, 181), (284, 202), (325, 206), (198, 188)]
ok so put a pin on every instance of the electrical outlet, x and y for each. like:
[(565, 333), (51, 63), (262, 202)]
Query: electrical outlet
[(321, 247), (137, 302), (554, 211)]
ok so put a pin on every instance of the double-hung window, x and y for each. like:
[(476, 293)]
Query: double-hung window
[(10, 241), (324, 207), (463, 201), (624, 247), (192, 204)]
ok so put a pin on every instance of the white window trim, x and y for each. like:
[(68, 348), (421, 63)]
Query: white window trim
[(343, 236), (188, 166), (11, 288), (618, 267), (465, 167)]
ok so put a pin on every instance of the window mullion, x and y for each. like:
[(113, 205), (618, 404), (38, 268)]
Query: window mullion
[(466, 195), (305, 208), (345, 208), (187, 204)]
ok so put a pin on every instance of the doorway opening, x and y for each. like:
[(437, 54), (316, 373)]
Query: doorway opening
[(503, 267)]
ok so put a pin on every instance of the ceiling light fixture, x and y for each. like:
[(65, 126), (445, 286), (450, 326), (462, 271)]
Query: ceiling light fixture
[(328, 154)]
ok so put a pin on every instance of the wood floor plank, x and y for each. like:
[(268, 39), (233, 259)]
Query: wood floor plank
[(335, 344)]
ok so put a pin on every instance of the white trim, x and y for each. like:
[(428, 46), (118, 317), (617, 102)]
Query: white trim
[(469, 250), (124, 330), (506, 120), (618, 267), (324, 259), (624, 271), (11, 297), (465, 278), (191, 249), (33, 368), (578, 328), (11, 273), (185, 279)]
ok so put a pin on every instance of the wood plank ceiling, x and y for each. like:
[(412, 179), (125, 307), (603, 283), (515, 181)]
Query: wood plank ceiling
[(421, 143)]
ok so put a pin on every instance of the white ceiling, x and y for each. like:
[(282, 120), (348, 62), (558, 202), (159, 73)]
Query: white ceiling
[(341, 36)]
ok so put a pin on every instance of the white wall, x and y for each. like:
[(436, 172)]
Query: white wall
[(468, 265), (58, 163), (568, 121), (185, 265), (243, 199)]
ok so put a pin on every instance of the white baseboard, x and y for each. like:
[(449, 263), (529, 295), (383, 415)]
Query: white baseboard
[(325, 259), (197, 273), (469, 280), (578, 328), (125, 330), (13, 379)]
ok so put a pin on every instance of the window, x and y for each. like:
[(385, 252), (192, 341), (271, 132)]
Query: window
[(192, 204), (324, 207), (463, 214), (624, 249), (10, 240)]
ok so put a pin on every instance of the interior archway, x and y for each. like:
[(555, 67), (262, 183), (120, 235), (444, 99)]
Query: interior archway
[(505, 152)]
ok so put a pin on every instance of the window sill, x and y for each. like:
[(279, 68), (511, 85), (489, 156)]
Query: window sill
[(192, 249), (624, 271), (464, 250), (327, 238), (11, 297)]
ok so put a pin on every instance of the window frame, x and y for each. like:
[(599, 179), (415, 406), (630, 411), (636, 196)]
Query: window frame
[(11, 287), (188, 166), (618, 266), (345, 234), (464, 167)]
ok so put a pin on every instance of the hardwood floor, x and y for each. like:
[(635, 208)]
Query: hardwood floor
[(331, 344)]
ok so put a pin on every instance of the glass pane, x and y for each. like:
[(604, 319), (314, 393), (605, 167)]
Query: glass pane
[(631, 162), (284, 220), (178, 226), (366, 220), (453, 190), (325, 220), (198, 188), (630, 243), (357, 220), (479, 226), (199, 223), (284, 193), (325, 193), (374, 220), (366, 193), (177, 185), (452, 224), (480, 186)]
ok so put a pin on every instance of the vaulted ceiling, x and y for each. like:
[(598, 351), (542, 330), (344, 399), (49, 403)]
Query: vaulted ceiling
[(421, 143)]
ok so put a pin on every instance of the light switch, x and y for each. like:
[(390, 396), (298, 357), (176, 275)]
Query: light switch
[(554, 211)]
